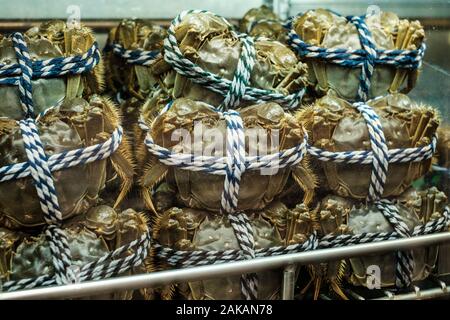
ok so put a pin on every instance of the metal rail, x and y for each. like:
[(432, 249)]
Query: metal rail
[(219, 270), (441, 289), (418, 294)]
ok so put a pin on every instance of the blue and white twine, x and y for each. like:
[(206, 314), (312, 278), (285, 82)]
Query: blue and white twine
[(222, 86), (232, 166), (136, 56), (365, 58), (235, 163), (217, 84), (379, 156), (40, 167)]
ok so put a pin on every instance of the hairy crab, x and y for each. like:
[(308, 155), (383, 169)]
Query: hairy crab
[(337, 215), (443, 146), (263, 22), (77, 123), (132, 84), (443, 158), (132, 79), (335, 125), (325, 29), (193, 127), (195, 229), (53, 39), (443, 176), (90, 235), (208, 41)]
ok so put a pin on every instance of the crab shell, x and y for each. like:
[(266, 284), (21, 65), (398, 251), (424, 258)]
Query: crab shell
[(443, 157), (192, 229), (335, 125), (337, 215), (273, 30), (164, 197), (208, 41), (263, 23), (77, 123), (203, 190), (255, 14), (443, 146), (443, 160), (133, 34), (90, 236), (50, 40), (416, 208), (325, 29)]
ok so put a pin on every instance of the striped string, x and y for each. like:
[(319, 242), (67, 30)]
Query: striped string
[(365, 58), (39, 166)]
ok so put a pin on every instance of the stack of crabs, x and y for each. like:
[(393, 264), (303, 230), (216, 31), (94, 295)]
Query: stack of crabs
[(180, 114), (249, 141), (364, 107), (72, 121), (279, 138)]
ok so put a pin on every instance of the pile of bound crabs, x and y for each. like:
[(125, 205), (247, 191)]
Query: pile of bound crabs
[(166, 109), (71, 114)]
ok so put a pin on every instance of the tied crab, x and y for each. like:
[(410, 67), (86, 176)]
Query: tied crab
[(196, 229), (337, 215), (443, 146), (208, 41), (133, 80), (134, 83), (90, 236), (49, 40), (149, 111), (263, 22), (335, 125), (268, 130), (442, 177), (443, 158), (77, 123), (328, 30)]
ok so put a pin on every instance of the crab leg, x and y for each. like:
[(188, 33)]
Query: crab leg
[(152, 176)]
